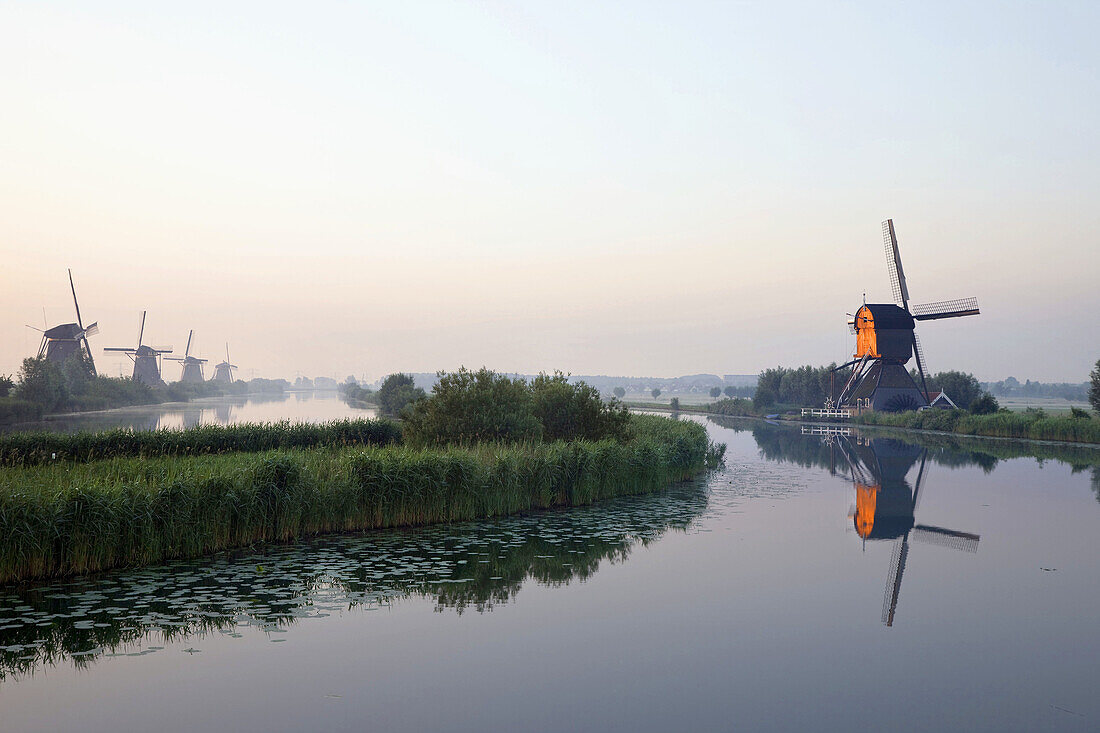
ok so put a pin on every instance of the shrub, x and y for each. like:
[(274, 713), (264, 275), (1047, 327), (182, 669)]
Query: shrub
[(468, 407), (570, 411), (984, 405), (397, 392)]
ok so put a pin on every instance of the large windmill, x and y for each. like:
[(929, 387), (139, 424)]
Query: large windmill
[(146, 359), (68, 339), (192, 366), (886, 340), (886, 506), (223, 371)]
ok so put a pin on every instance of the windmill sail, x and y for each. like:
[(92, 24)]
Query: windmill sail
[(893, 264), (946, 309)]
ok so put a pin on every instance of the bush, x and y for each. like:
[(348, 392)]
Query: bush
[(1078, 414), (984, 405), (467, 407), (397, 392), (571, 411), (13, 410)]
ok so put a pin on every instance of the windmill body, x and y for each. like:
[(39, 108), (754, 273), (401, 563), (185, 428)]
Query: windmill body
[(67, 340), (223, 370), (146, 359), (192, 366), (886, 340)]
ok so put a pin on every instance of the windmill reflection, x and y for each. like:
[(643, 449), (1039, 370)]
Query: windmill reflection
[(886, 503)]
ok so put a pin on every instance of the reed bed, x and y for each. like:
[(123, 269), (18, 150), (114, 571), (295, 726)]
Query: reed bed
[(41, 447), (74, 518), (1035, 425)]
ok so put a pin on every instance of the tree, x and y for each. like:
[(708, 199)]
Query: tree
[(397, 392), (469, 407), (984, 405), (764, 397), (655, 392), (6, 384), (961, 387), (675, 404), (619, 392), (41, 382), (715, 392), (730, 391), (1094, 387)]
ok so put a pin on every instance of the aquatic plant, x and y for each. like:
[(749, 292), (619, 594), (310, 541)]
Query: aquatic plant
[(1033, 425), (72, 518), (39, 447)]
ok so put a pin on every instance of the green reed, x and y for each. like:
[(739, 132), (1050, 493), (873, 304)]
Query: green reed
[(40, 447), (72, 518), (1027, 425)]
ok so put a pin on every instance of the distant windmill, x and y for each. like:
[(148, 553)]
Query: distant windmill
[(886, 339), (223, 371), (886, 506), (192, 366), (146, 359), (68, 339)]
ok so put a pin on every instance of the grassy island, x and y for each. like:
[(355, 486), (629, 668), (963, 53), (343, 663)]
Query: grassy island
[(97, 510)]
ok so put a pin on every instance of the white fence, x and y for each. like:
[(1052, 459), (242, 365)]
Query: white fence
[(842, 414)]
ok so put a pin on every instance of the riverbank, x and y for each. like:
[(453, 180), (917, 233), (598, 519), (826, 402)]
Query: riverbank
[(69, 518), (1027, 425)]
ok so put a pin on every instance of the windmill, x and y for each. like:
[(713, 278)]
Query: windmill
[(192, 366), (68, 339), (223, 371), (886, 506), (146, 359), (886, 340)]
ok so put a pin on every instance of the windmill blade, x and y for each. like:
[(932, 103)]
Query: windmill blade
[(893, 582), (34, 328), (124, 349), (92, 330), (893, 264), (946, 309), (962, 541), (75, 303), (141, 332), (175, 358), (187, 351), (921, 367)]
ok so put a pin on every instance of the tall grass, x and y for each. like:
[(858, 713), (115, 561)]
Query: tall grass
[(39, 447), (1033, 425), (65, 519)]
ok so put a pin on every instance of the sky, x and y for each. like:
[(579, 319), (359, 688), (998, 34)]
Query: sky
[(636, 188)]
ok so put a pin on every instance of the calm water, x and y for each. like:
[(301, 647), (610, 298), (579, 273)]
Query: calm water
[(802, 586), (316, 406)]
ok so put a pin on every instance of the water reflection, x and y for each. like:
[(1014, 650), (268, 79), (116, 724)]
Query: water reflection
[(886, 504), (889, 476), (474, 565), (318, 406)]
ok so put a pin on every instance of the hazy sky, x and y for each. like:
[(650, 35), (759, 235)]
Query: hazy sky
[(630, 188)]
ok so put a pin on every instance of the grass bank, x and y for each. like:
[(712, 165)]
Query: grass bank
[(1033, 425), (72, 518), (41, 447)]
